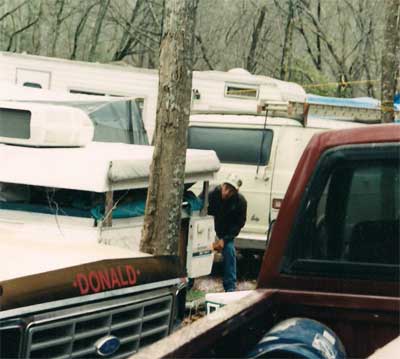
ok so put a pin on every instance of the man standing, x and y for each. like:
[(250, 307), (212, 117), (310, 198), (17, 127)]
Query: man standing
[(229, 208)]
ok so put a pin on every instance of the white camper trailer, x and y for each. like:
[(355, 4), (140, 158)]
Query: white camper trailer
[(87, 78), (234, 90)]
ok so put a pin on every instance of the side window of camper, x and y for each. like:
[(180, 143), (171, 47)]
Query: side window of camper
[(233, 145), (241, 91), (93, 93), (32, 85), (81, 92)]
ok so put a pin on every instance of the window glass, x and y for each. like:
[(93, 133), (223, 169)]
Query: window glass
[(32, 85), (15, 123), (233, 145), (87, 92), (350, 226), (244, 91)]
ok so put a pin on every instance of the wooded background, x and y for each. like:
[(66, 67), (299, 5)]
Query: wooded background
[(331, 47)]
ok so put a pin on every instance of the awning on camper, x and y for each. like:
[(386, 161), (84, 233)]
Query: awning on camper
[(98, 167)]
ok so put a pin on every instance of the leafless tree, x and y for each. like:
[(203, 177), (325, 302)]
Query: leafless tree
[(62, 11), (390, 59), (79, 29), (163, 207), (255, 40), (306, 41), (104, 4)]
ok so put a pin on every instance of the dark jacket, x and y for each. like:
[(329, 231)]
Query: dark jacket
[(229, 215)]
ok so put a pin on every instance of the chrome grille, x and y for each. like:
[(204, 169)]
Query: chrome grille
[(135, 325)]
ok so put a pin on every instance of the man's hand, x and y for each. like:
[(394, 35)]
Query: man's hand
[(218, 245)]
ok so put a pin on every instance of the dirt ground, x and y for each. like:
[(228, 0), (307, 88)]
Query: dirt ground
[(247, 272)]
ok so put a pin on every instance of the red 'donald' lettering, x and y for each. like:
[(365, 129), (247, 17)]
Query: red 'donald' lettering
[(124, 282), (130, 271), (82, 283), (94, 282), (106, 279)]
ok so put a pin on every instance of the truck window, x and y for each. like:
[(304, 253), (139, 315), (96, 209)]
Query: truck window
[(349, 225), (233, 145)]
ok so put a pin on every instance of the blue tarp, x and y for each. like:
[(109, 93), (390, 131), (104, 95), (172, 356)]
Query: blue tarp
[(136, 208), (127, 210), (42, 208)]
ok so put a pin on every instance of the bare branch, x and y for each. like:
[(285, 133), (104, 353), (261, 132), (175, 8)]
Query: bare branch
[(22, 29), (204, 52), (80, 28), (8, 13)]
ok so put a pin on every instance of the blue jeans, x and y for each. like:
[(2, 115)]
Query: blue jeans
[(229, 262)]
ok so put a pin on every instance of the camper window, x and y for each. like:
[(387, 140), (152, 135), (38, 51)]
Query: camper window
[(233, 145), (32, 85), (241, 91), (79, 92), (15, 123), (93, 93)]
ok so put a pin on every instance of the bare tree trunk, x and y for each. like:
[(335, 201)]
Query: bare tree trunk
[(163, 208), (390, 61), (31, 22), (97, 28), (79, 30), (251, 58), (288, 42), (59, 20), (127, 39)]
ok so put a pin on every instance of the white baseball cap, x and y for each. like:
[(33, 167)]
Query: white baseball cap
[(233, 180)]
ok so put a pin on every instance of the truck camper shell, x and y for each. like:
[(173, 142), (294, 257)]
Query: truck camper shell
[(73, 281), (73, 176), (115, 119)]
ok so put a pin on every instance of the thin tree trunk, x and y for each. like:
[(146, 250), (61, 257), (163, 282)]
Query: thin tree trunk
[(97, 28), (163, 207), (59, 20), (319, 58), (287, 43), (390, 62), (79, 30), (251, 58), (127, 39)]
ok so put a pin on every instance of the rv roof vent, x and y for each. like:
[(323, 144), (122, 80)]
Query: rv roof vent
[(239, 71), (42, 125)]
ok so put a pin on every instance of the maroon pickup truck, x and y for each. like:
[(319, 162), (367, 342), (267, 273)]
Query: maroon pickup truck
[(332, 261)]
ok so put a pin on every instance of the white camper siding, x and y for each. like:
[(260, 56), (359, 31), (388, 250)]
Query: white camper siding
[(121, 80), (212, 89), (7, 69), (67, 75)]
